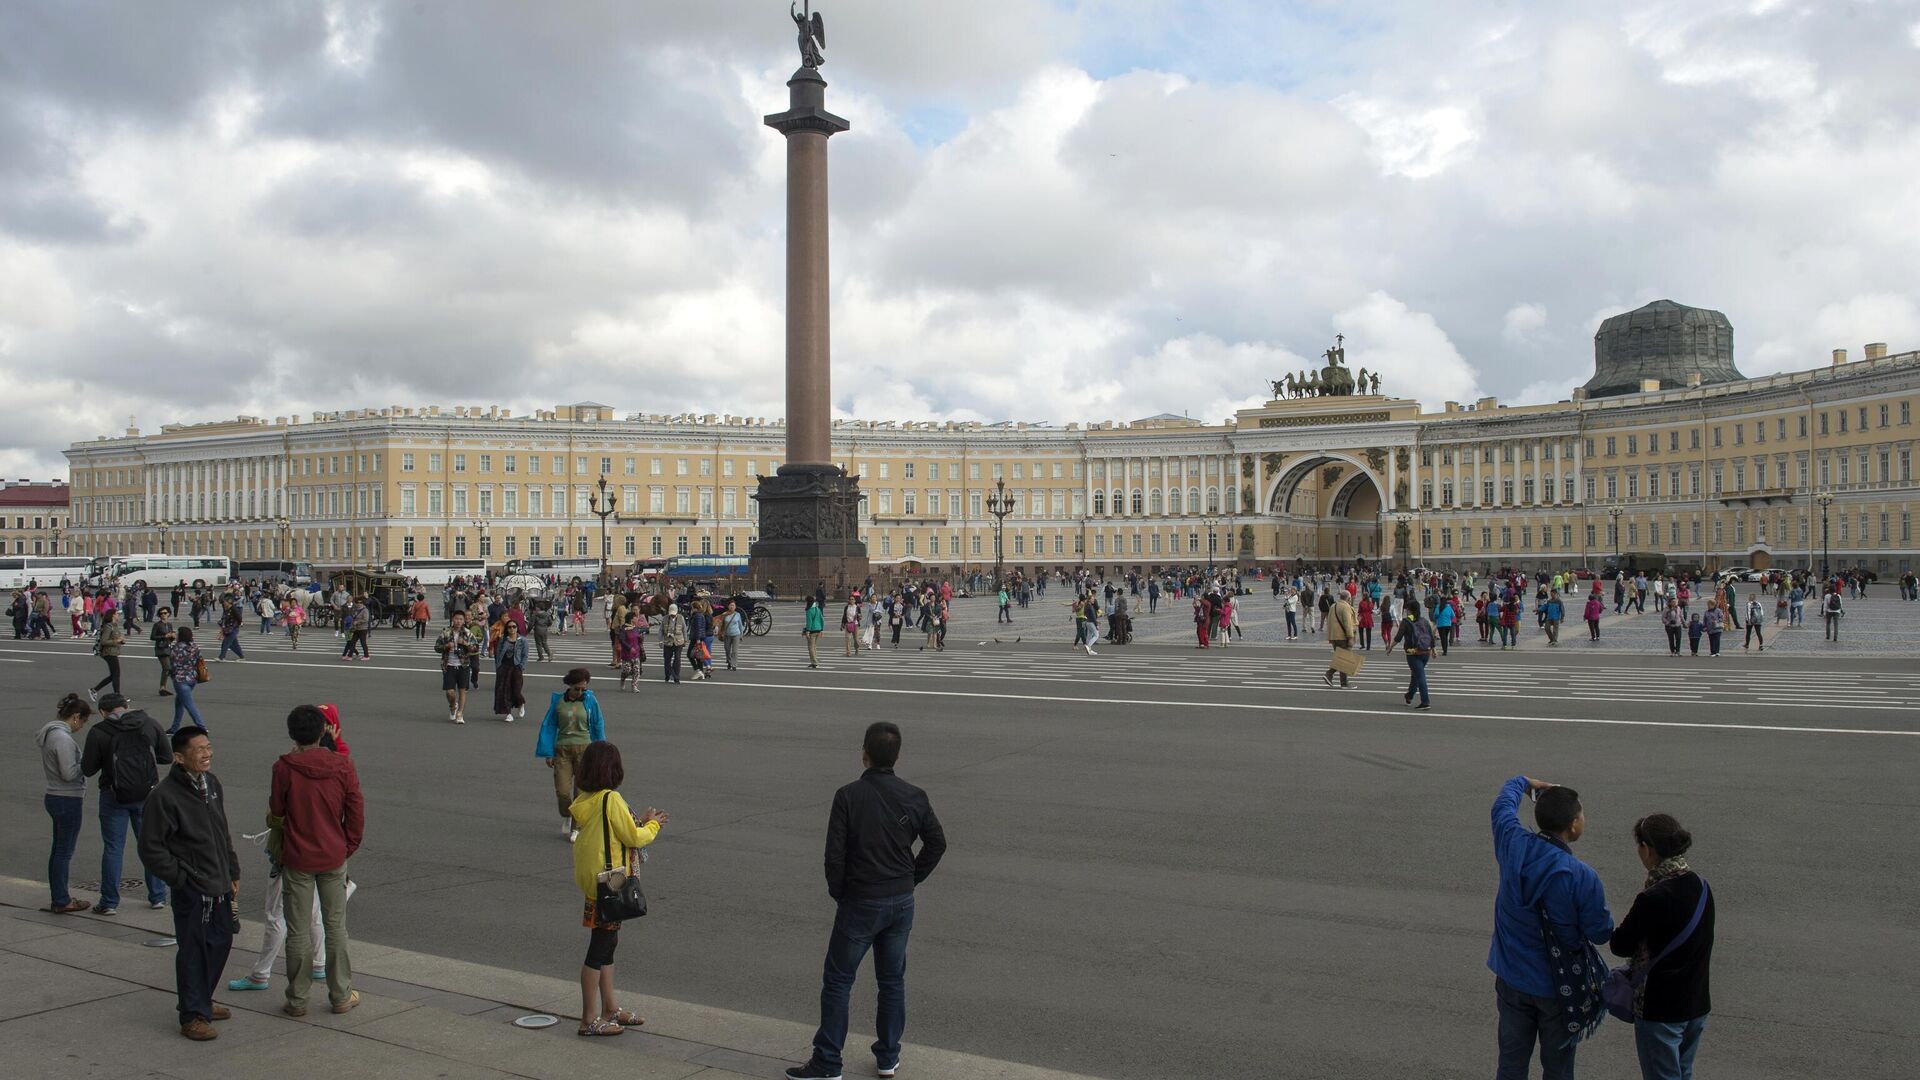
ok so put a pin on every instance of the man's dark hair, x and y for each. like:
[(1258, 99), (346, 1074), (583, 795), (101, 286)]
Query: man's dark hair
[(577, 677), (883, 744), (1664, 834), (1555, 809), (305, 724), (600, 768), (186, 735)]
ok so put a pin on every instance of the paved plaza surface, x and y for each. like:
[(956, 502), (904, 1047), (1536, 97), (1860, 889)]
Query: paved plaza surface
[(1163, 862)]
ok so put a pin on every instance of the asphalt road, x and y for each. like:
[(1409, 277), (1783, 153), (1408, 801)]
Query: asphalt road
[(1163, 862)]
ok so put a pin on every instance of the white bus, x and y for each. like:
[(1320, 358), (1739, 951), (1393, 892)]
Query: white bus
[(166, 571), (565, 569), (46, 571), (284, 572), (437, 571)]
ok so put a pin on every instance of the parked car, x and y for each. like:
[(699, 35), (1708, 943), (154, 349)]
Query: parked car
[(1740, 573)]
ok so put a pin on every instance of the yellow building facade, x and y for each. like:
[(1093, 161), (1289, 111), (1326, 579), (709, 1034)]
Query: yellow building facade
[(1774, 471)]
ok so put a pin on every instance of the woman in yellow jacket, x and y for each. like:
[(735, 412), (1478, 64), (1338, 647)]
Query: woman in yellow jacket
[(617, 842)]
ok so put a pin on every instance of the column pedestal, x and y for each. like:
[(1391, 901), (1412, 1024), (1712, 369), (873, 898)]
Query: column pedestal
[(809, 531)]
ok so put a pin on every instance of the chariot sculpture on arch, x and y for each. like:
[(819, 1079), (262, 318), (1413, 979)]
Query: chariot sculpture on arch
[(1333, 380)]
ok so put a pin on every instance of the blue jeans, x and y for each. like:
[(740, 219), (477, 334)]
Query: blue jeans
[(231, 641), (114, 819), (66, 812), (1417, 677), (1524, 1021), (1666, 1050), (183, 704), (883, 926)]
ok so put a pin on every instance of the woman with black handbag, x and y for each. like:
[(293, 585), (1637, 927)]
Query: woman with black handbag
[(611, 884)]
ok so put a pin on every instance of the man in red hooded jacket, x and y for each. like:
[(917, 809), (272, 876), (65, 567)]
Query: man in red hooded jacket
[(316, 797)]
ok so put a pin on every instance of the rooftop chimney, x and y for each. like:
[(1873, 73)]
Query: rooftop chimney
[(1876, 350), (1839, 357)]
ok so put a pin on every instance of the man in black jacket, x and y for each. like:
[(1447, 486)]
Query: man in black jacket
[(871, 872), (186, 842)]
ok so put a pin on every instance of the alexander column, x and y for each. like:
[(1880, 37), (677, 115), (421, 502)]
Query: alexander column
[(809, 510)]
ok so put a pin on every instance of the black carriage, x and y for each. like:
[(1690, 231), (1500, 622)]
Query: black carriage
[(389, 597)]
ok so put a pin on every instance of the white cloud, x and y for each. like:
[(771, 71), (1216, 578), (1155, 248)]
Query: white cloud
[(1523, 322), (363, 202)]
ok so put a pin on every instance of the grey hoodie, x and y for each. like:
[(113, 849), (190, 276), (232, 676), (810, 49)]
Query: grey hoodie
[(60, 757)]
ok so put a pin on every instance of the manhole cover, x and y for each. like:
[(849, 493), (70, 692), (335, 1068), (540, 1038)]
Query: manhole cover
[(159, 943), (538, 1020)]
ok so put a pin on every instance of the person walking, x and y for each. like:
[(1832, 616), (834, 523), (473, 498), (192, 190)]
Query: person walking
[(1715, 622), (1596, 608), (1005, 614), (1202, 620), (1446, 616), (1548, 908), (872, 871), (315, 794), (456, 647), (733, 627), (608, 823), (673, 642), (510, 674), (896, 617), (1668, 937), (1365, 614), (66, 796), (125, 749), (359, 623), (189, 669), (1415, 636), (811, 629), (187, 844), (230, 623), (1342, 629), (850, 623), (160, 632), (107, 647), (1754, 632), (1674, 621), (1832, 611), (572, 722)]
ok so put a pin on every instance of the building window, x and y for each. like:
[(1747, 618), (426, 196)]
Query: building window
[(1610, 448), (533, 546), (433, 547), (1739, 434), (406, 462), (513, 546), (653, 546), (1591, 530), (406, 547), (1486, 493)]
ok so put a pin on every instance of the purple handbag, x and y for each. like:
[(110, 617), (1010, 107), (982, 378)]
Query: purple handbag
[(1622, 982)]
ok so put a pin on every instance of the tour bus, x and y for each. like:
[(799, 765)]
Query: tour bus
[(566, 569), (649, 570), (286, 573), (166, 571), (438, 571), (19, 571), (1633, 562), (706, 566)]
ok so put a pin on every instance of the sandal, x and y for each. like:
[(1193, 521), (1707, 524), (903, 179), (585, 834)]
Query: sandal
[(600, 1025), (626, 1019)]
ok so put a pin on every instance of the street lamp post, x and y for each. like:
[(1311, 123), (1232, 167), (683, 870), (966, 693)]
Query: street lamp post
[(1825, 500), (285, 528), (600, 504), (486, 548), (1210, 522), (56, 540), (1613, 523), (161, 528), (999, 504)]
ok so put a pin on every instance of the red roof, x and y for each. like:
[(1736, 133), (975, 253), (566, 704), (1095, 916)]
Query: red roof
[(34, 496)]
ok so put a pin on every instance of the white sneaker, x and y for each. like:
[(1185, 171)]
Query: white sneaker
[(573, 835), (566, 827), (521, 712), (458, 719), (1090, 652)]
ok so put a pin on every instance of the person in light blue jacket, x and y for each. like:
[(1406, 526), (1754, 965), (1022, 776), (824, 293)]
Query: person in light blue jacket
[(1543, 889)]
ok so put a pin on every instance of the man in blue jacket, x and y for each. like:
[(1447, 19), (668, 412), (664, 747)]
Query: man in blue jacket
[(1538, 872)]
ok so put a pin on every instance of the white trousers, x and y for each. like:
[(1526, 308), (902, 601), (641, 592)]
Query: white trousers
[(273, 940)]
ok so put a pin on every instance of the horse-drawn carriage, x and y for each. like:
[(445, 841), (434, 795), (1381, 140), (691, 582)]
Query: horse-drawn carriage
[(389, 600), (753, 606)]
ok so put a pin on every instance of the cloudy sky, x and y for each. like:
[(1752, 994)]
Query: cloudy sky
[(1046, 209)]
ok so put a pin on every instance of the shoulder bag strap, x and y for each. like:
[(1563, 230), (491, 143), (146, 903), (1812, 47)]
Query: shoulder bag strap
[(1679, 939), (606, 830)]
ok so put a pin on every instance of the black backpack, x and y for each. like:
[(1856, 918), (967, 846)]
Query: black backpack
[(130, 765)]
